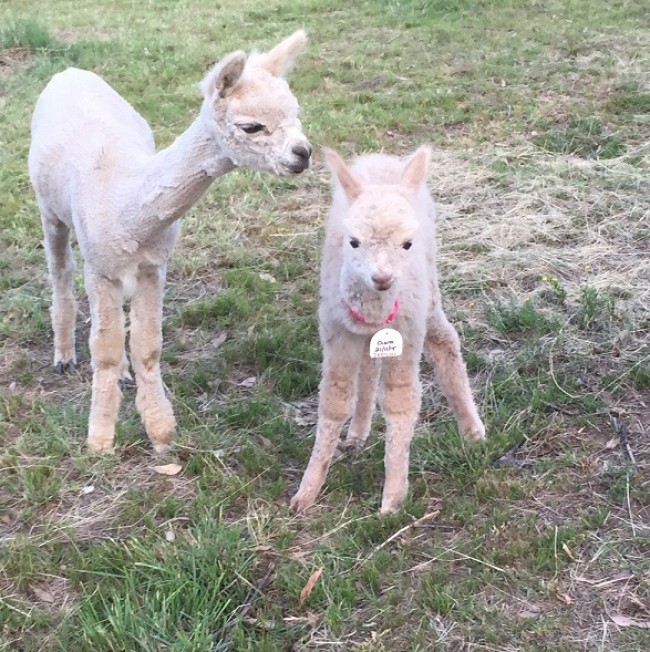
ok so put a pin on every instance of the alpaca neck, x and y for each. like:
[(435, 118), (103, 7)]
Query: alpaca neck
[(374, 306), (175, 178)]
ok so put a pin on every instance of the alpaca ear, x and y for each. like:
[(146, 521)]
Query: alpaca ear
[(281, 58), (352, 187), (225, 75), (416, 170)]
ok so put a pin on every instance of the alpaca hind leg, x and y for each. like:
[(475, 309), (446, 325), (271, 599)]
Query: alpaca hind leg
[(340, 367), (107, 352), (442, 346), (125, 379), (364, 408), (400, 401), (61, 266), (145, 342)]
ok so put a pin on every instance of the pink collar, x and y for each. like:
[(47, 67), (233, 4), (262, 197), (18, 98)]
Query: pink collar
[(359, 317)]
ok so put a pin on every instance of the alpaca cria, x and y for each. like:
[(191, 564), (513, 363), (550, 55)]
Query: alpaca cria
[(378, 272), (95, 169)]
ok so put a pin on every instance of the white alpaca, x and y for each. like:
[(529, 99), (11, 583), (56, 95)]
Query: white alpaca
[(379, 271), (94, 168)]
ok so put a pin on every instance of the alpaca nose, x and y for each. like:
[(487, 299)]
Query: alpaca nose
[(303, 153), (382, 280)]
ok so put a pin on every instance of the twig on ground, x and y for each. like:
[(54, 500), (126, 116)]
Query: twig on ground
[(222, 644), (508, 458), (621, 429), (399, 533)]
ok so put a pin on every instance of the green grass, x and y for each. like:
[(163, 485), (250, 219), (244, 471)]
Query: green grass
[(538, 116)]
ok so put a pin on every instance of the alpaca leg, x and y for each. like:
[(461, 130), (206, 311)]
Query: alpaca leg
[(442, 346), (125, 377), (107, 352), (400, 401), (340, 367), (146, 344), (364, 408), (61, 265)]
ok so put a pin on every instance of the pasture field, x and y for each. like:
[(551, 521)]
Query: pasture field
[(537, 540)]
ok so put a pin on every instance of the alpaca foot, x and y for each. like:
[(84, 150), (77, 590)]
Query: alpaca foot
[(160, 430), (157, 416), (354, 441), (306, 495), (65, 367), (124, 377), (64, 361), (302, 501), (101, 443), (475, 431), (351, 446), (392, 501), (126, 382)]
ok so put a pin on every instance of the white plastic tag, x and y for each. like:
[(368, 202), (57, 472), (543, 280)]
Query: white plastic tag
[(386, 343)]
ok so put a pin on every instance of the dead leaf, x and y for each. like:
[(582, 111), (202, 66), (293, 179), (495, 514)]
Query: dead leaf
[(309, 587), (568, 552), (219, 339), (42, 594), (266, 443), (566, 598), (267, 277), (313, 618), (528, 613), (625, 621), (168, 469), (613, 443), (251, 381)]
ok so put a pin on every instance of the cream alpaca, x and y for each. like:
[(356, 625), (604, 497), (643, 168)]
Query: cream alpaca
[(95, 169), (379, 270)]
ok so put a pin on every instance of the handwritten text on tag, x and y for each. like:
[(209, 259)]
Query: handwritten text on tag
[(386, 343)]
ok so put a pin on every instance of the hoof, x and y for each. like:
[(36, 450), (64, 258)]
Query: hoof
[(101, 448), (300, 504), (65, 367), (389, 509), (393, 502), (352, 447), (126, 383), (476, 433), (160, 449)]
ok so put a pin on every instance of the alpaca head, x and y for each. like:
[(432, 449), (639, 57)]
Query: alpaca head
[(381, 223), (253, 112)]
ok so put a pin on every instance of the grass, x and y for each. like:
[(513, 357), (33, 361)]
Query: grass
[(534, 540)]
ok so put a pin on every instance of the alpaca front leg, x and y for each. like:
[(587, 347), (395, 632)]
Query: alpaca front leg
[(400, 404), (146, 344), (340, 367), (364, 407), (107, 351), (61, 266), (442, 346)]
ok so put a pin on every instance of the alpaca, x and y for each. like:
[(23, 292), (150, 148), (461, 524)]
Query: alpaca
[(94, 168), (379, 271)]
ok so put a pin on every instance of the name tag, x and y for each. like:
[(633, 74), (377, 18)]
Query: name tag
[(386, 343)]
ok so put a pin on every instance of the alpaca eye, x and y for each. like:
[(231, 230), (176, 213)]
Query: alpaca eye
[(407, 245), (252, 128), (354, 243)]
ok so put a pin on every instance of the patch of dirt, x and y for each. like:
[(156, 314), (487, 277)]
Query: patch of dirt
[(12, 59)]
